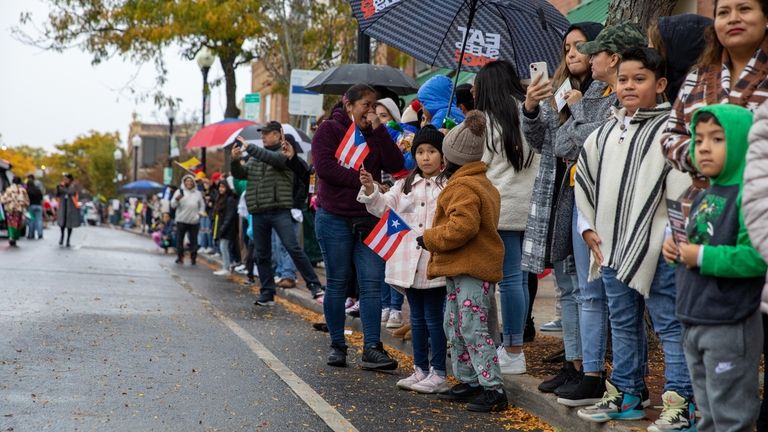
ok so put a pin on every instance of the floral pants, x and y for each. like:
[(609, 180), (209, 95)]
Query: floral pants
[(473, 352)]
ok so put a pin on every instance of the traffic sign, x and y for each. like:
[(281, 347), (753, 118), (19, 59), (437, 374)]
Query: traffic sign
[(252, 106), (300, 100)]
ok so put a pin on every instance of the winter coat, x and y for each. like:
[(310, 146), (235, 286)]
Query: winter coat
[(270, 182), (68, 214), (407, 267), (755, 193), (725, 287), (515, 187), (338, 186), (15, 199), (712, 85), (434, 95), (225, 219), (191, 204), (464, 239)]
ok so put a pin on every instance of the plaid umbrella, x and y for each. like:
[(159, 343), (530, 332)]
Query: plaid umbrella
[(435, 31)]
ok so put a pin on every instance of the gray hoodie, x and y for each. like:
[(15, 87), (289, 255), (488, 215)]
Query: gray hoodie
[(191, 204)]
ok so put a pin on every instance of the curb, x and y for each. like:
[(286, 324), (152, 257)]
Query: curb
[(522, 390)]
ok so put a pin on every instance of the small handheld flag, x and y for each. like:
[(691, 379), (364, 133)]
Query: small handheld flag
[(353, 149), (387, 235)]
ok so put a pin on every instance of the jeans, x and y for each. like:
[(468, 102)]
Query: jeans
[(205, 238), (181, 230), (513, 289), (36, 225), (340, 248), (280, 220), (569, 310), (628, 330), (281, 261), (593, 320), (391, 298), (427, 327), (225, 256)]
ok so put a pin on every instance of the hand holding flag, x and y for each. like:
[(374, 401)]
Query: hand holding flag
[(353, 149), (387, 235)]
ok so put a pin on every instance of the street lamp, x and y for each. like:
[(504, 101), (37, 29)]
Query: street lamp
[(205, 59), (171, 114), (136, 141), (118, 156)]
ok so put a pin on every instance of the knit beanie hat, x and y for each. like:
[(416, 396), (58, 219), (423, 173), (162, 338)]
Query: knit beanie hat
[(428, 135), (391, 106), (465, 143)]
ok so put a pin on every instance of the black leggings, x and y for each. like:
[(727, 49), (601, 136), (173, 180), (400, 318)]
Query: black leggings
[(182, 229), (69, 234)]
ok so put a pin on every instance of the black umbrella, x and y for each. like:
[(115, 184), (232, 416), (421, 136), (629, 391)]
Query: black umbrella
[(338, 79)]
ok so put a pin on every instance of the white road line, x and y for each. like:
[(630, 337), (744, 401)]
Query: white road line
[(323, 409)]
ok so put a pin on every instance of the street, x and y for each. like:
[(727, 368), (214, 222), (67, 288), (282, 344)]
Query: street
[(112, 335)]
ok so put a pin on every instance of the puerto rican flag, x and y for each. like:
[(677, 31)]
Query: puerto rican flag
[(387, 235), (353, 149)]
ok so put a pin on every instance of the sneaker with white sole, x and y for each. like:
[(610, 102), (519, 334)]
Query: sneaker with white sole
[(552, 326), (353, 310), (348, 303), (615, 405), (395, 319), (384, 315), (432, 384), (417, 376), (511, 364), (677, 415), (222, 272)]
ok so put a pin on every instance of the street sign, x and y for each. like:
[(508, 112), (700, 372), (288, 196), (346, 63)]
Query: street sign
[(167, 175), (252, 106), (301, 101)]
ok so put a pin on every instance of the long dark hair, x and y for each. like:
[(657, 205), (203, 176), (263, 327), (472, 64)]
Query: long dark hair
[(713, 51), (449, 170), (354, 94), (221, 200), (408, 186), (497, 93)]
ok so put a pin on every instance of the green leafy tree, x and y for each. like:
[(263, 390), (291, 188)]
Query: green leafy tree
[(90, 159)]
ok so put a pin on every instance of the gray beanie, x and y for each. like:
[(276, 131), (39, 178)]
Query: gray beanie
[(465, 143)]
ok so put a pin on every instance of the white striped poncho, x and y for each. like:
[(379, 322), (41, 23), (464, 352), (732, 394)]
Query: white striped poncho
[(622, 183)]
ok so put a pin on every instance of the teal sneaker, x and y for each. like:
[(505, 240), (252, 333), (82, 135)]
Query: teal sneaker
[(614, 405)]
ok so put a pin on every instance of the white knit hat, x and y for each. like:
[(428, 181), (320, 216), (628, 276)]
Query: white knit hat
[(391, 106)]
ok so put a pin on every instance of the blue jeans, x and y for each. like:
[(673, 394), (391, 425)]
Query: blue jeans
[(593, 320), (513, 289), (569, 310), (281, 261), (205, 238), (392, 299), (427, 327), (280, 220), (628, 331), (340, 249), (36, 225), (226, 259)]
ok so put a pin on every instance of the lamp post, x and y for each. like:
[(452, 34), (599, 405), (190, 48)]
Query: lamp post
[(168, 175), (136, 141), (118, 156), (205, 59)]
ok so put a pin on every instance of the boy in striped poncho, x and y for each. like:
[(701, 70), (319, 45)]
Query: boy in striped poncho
[(623, 182)]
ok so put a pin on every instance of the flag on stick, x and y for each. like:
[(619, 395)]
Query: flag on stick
[(387, 235), (192, 165), (353, 149)]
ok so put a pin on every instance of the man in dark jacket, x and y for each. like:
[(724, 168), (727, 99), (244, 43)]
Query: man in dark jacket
[(269, 197)]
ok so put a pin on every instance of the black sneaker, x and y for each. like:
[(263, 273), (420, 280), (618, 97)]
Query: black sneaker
[(567, 374), (589, 392), (489, 401), (375, 358), (337, 356), (461, 393), (265, 300)]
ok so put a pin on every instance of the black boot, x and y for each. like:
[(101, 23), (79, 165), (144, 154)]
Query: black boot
[(490, 400), (529, 334), (461, 393), (337, 356)]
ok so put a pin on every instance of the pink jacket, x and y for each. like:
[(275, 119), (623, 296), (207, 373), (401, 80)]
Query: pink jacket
[(407, 268), (755, 192)]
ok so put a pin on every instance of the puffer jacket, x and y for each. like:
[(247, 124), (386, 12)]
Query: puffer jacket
[(755, 192)]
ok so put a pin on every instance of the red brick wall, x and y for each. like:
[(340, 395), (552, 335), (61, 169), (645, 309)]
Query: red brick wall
[(565, 6)]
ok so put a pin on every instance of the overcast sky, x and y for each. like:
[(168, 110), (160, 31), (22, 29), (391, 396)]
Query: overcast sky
[(47, 98)]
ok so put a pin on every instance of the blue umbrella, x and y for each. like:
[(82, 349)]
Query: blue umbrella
[(141, 187), (435, 31)]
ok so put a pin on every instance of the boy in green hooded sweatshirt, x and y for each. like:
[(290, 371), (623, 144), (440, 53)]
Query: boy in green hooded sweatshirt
[(722, 275)]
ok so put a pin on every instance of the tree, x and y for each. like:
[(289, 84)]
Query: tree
[(90, 159), (642, 12)]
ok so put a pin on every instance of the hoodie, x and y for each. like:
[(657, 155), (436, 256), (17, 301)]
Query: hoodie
[(434, 95), (590, 30), (725, 288), (189, 203), (683, 37)]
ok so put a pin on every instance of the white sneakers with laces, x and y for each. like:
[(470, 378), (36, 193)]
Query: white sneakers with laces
[(416, 376), (395, 319), (511, 364), (432, 384)]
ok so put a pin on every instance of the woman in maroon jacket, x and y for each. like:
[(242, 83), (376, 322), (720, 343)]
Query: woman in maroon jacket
[(341, 223)]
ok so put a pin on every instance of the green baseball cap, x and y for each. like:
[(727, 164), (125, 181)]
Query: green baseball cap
[(615, 39)]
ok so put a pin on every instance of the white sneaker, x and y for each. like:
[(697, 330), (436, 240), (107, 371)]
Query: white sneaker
[(395, 319), (348, 303), (222, 272), (216, 254), (432, 384), (511, 364), (384, 315), (355, 308), (240, 268), (417, 376)]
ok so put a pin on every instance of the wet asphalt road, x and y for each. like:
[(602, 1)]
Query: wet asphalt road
[(111, 335)]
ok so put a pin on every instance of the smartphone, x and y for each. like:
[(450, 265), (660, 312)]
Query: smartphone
[(539, 68)]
